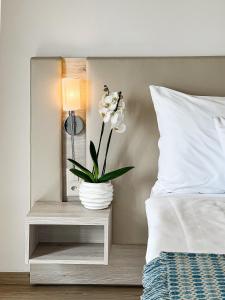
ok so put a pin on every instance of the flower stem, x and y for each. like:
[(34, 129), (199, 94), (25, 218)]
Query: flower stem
[(106, 89), (100, 139), (106, 153), (109, 138)]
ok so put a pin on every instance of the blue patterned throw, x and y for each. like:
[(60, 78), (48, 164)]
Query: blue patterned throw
[(185, 276)]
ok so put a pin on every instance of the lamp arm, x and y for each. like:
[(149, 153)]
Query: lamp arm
[(73, 131)]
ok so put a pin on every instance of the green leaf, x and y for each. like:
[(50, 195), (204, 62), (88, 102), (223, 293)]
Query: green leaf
[(81, 175), (114, 174), (95, 159), (85, 170)]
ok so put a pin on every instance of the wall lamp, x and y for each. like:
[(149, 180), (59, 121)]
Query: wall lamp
[(71, 95)]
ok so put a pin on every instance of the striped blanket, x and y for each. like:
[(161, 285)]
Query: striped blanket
[(185, 276)]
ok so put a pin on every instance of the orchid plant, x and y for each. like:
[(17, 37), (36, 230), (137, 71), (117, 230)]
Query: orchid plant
[(111, 108)]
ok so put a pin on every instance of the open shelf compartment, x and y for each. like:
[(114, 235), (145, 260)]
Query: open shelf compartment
[(68, 253), (69, 234)]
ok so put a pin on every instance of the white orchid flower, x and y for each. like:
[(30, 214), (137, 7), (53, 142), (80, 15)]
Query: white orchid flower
[(107, 105), (122, 104), (110, 101), (106, 100), (105, 113), (116, 118), (112, 105), (117, 121), (121, 128), (112, 97)]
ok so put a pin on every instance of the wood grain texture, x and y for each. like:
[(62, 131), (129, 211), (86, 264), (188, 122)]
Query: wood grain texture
[(20, 278), (71, 233), (125, 268), (61, 213), (68, 293), (68, 253), (74, 67)]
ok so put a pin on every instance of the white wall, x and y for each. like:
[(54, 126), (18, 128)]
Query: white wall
[(80, 28)]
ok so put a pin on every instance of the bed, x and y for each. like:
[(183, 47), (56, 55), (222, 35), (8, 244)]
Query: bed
[(186, 245), (185, 223)]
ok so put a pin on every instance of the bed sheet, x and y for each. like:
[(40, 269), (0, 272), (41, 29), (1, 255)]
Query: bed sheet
[(185, 223)]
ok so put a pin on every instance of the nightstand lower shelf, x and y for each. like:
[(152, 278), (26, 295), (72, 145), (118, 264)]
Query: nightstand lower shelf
[(68, 253), (125, 267)]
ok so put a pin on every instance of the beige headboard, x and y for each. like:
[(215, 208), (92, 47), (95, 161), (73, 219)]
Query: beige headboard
[(138, 146)]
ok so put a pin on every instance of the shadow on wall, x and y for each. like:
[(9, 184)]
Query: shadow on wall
[(135, 147)]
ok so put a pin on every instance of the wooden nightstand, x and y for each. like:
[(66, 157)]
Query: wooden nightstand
[(68, 244), (67, 233)]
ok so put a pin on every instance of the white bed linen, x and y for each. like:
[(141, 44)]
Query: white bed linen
[(191, 158), (185, 223)]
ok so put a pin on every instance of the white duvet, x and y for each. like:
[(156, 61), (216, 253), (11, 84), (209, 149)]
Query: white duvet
[(194, 223)]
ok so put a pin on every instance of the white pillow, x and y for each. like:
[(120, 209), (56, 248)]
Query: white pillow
[(191, 157)]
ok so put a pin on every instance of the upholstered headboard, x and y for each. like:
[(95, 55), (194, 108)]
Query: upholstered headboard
[(138, 146)]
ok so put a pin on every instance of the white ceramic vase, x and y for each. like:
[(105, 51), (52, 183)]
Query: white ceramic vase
[(96, 195)]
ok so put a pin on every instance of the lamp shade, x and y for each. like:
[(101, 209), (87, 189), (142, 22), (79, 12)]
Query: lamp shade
[(71, 94)]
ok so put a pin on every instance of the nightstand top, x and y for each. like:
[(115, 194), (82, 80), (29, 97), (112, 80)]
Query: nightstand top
[(51, 212)]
